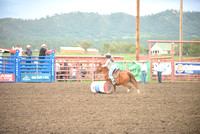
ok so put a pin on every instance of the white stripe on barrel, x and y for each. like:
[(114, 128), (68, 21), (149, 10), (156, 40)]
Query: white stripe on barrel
[(101, 87)]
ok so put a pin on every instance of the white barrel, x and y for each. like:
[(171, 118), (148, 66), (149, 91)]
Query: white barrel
[(101, 87)]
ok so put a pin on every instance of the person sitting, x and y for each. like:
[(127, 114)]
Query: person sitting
[(110, 61)]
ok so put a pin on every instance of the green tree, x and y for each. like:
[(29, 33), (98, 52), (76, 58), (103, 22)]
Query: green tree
[(194, 49), (85, 45), (106, 47)]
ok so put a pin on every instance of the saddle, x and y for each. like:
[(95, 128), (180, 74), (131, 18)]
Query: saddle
[(116, 73)]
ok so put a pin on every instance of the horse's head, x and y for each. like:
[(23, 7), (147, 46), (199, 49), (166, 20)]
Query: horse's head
[(101, 69)]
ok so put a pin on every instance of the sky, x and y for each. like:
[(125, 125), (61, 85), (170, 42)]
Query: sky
[(32, 9)]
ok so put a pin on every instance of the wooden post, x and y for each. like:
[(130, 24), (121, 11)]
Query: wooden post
[(172, 63), (180, 34), (93, 69), (138, 31), (150, 62)]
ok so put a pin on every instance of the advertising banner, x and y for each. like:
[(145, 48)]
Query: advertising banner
[(135, 69), (7, 77), (187, 68), (166, 66), (34, 77)]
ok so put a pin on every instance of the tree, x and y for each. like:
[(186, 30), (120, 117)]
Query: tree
[(85, 45), (194, 49), (106, 47)]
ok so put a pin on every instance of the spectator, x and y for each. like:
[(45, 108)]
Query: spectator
[(57, 70), (20, 49), (42, 52), (143, 67), (82, 70), (28, 52), (159, 71), (73, 74)]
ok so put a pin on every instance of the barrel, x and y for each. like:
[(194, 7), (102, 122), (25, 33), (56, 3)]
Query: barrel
[(101, 87)]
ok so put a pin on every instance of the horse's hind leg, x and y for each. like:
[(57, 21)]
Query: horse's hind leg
[(135, 83), (128, 86)]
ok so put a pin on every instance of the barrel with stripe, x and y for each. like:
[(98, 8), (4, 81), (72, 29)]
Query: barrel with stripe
[(101, 87)]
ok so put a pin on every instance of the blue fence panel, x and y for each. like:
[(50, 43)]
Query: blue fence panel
[(16, 68), (34, 69), (7, 68)]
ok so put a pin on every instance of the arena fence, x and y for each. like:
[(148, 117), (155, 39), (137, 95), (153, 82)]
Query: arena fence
[(73, 68), (175, 70), (16, 68), (53, 68), (79, 68)]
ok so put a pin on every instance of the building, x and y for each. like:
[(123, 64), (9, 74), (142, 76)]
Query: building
[(161, 48), (4, 50), (72, 50), (92, 51)]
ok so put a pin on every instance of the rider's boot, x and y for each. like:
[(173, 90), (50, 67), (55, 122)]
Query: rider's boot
[(113, 82)]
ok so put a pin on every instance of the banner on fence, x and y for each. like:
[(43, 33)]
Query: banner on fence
[(166, 68), (187, 68), (135, 69), (34, 77), (7, 77)]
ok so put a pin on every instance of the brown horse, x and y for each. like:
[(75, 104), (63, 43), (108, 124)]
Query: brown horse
[(124, 77)]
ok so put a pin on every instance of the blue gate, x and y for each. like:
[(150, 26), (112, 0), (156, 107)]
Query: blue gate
[(8, 68), (28, 69)]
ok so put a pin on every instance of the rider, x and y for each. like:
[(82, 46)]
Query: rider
[(113, 66)]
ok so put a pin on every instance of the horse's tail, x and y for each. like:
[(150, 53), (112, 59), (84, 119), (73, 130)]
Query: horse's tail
[(133, 80)]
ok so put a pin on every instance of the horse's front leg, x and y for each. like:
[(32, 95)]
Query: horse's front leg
[(115, 88)]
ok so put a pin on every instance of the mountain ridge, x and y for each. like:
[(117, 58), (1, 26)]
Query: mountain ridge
[(71, 28)]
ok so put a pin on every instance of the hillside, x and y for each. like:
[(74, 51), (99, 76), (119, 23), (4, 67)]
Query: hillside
[(70, 28)]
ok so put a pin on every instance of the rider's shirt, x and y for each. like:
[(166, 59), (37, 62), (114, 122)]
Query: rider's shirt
[(109, 62)]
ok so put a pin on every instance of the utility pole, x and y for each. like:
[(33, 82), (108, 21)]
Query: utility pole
[(181, 28), (138, 31)]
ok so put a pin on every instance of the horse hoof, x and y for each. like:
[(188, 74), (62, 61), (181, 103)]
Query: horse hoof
[(138, 91)]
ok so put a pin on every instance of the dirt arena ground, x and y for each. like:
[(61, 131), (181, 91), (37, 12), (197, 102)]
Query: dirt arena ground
[(72, 108)]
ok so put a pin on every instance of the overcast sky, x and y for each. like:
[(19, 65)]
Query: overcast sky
[(31, 9)]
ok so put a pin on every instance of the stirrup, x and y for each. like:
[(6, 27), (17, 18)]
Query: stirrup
[(113, 83)]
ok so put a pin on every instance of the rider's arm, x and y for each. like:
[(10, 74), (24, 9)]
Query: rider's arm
[(106, 63)]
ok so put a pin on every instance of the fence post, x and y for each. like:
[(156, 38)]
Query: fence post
[(17, 61), (172, 62), (53, 66), (93, 69), (150, 61)]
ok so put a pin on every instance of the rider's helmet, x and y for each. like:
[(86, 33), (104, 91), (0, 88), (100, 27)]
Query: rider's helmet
[(108, 55)]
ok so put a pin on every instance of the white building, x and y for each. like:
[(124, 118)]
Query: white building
[(72, 50), (161, 48), (92, 51)]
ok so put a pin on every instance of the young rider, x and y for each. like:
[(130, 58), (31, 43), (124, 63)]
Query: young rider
[(113, 66)]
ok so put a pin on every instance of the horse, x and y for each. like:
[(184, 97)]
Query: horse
[(123, 77)]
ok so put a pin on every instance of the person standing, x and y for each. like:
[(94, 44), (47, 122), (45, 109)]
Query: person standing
[(159, 71), (20, 49), (28, 52), (73, 71), (42, 52), (143, 67)]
